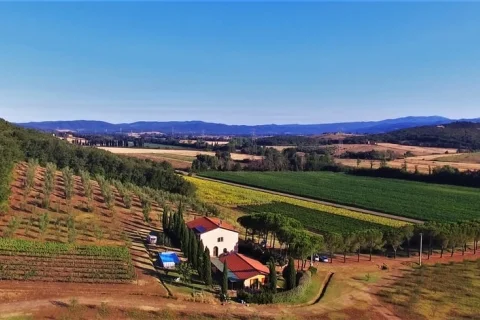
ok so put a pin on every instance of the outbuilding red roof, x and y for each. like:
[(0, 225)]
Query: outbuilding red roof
[(244, 267), (205, 224)]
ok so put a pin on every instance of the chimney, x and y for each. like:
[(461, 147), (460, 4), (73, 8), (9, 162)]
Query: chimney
[(220, 223)]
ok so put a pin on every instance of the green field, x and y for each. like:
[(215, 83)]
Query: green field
[(148, 145), (315, 220), (411, 199)]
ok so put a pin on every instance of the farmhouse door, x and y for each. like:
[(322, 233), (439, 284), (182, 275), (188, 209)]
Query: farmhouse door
[(215, 251)]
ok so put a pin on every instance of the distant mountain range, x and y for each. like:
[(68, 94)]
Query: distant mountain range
[(199, 127)]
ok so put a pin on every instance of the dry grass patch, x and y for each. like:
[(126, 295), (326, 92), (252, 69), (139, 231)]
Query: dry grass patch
[(440, 291)]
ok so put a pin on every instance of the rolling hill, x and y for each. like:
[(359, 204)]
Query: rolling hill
[(459, 135), (197, 127)]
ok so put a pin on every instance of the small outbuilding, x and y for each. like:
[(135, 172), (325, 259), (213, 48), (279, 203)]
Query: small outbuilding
[(152, 239), (243, 272)]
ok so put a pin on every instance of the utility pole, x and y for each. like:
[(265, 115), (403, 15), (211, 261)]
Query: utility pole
[(421, 250)]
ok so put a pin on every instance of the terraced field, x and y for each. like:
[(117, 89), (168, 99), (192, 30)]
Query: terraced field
[(403, 198), (233, 196)]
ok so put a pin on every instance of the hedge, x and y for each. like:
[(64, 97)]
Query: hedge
[(264, 297), (295, 293)]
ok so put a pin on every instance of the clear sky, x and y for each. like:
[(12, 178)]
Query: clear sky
[(242, 63)]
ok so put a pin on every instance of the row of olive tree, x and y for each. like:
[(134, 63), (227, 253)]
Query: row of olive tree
[(107, 192), (49, 184), (87, 188), (29, 182)]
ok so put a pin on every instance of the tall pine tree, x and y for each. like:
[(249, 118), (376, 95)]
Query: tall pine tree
[(207, 268)]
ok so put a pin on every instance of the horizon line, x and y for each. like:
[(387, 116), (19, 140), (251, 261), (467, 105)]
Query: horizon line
[(246, 125)]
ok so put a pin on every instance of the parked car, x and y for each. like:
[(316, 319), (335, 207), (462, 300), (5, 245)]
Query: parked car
[(324, 259)]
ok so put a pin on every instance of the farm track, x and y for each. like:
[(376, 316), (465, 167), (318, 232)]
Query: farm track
[(336, 205)]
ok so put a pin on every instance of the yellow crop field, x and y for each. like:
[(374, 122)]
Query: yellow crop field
[(232, 196)]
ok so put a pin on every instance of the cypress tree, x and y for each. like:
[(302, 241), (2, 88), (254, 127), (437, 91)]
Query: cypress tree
[(169, 223), (207, 268), (185, 242), (272, 277), (181, 235), (180, 209), (200, 258), (225, 278), (164, 221), (174, 229), (193, 250), (178, 226)]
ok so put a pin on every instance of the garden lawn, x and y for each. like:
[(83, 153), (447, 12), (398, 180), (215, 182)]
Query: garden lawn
[(411, 199)]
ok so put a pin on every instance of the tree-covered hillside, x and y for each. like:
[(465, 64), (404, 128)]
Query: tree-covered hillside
[(459, 135), (17, 144)]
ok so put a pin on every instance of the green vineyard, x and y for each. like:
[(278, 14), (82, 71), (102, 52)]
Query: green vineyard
[(49, 261), (403, 198), (314, 220)]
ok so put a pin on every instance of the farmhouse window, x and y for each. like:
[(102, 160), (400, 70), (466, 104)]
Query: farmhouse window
[(220, 239)]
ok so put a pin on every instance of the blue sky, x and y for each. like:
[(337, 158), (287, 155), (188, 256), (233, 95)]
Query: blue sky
[(242, 63)]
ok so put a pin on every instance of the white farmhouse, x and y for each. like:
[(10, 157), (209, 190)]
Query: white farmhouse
[(219, 236)]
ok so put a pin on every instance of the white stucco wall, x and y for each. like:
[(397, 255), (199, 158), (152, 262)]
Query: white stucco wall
[(230, 240), (261, 280)]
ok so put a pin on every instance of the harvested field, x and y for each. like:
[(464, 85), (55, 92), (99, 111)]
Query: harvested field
[(473, 158), (187, 153), (399, 149), (422, 163), (418, 293), (177, 161)]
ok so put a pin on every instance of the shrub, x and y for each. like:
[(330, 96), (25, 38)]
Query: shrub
[(292, 295), (312, 270)]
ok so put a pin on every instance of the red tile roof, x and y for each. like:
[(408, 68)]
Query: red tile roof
[(207, 224), (244, 267)]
